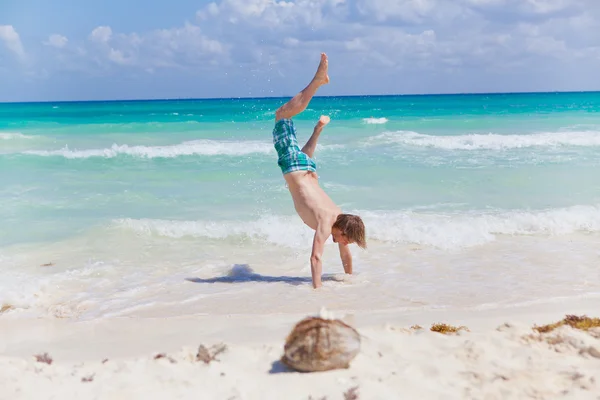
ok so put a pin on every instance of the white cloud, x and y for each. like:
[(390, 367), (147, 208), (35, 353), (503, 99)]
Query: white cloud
[(546, 46), (11, 40), (516, 9), (188, 39), (101, 34), (212, 9), (485, 2), (291, 42), (118, 57), (257, 42), (272, 13), (414, 11), (412, 35), (176, 47), (57, 41), (548, 6)]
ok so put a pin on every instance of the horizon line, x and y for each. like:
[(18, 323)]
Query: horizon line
[(289, 96)]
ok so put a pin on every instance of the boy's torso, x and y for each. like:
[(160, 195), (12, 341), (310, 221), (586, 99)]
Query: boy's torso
[(313, 205)]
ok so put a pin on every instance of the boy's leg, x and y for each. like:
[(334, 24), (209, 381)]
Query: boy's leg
[(299, 102), (310, 146)]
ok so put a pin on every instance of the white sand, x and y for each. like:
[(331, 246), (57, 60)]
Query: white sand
[(500, 358)]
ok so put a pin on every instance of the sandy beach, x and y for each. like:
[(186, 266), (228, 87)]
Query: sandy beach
[(183, 184), (500, 356)]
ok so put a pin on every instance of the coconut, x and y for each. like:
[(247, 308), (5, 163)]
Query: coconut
[(320, 344)]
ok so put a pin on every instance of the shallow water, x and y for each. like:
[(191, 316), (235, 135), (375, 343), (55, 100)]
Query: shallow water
[(178, 207)]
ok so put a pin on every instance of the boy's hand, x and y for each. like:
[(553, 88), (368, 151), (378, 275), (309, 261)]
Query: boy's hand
[(324, 120)]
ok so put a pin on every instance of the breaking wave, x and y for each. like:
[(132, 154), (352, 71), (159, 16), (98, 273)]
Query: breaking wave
[(191, 148), (13, 135), (490, 141), (447, 231), (375, 121), (195, 147)]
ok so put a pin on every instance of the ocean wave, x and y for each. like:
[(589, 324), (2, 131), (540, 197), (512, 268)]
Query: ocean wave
[(13, 135), (446, 231), (280, 230), (459, 230), (195, 147), (190, 148), (375, 121), (490, 141)]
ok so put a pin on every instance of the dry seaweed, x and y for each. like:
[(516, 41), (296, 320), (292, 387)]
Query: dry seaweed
[(583, 323), (208, 355), (446, 329), (43, 358), (6, 307), (416, 327), (88, 378), (163, 355), (351, 394)]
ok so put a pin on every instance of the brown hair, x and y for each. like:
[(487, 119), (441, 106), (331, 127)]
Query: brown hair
[(353, 228)]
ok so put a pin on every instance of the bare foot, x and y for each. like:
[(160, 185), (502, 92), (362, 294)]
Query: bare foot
[(321, 76), (324, 120)]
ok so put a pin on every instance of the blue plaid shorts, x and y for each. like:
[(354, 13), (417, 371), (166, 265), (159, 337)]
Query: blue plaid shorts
[(291, 158)]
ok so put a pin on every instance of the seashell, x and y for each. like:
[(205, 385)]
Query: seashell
[(319, 344)]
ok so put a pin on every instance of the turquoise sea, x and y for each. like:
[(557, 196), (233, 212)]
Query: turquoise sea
[(178, 206)]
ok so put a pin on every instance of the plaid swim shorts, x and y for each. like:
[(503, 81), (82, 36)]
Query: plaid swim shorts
[(291, 158)]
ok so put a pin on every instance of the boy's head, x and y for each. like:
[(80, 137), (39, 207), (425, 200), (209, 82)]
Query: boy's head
[(348, 229)]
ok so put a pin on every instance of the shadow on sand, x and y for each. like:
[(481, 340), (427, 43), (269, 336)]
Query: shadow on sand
[(241, 273), (277, 367)]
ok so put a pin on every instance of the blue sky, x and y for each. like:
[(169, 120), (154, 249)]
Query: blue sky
[(75, 50)]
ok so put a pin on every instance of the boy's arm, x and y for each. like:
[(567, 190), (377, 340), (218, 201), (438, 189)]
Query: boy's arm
[(346, 257), (321, 235)]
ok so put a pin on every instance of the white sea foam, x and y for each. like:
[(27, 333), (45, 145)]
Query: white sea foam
[(195, 147), (280, 230), (447, 231), (13, 135), (25, 289), (490, 141), (117, 280), (375, 121), (475, 228)]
